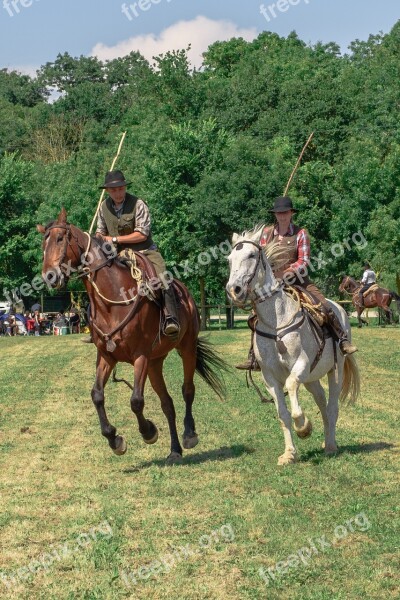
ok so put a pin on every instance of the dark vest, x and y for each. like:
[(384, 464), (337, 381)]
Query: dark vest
[(125, 224), (288, 242)]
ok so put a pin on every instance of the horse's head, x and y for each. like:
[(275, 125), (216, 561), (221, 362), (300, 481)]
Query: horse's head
[(342, 286), (249, 268), (58, 254), (346, 284)]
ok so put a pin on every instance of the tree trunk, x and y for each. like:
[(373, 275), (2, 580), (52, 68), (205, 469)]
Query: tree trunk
[(230, 318), (203, 312)]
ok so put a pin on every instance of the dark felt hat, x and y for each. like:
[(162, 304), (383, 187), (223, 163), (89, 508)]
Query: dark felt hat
[(283, 204), (114, 179)]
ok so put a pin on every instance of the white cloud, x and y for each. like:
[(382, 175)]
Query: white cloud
[(199, 33), (24, 69)]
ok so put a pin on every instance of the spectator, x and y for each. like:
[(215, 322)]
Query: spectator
[(37, 318), (30, 323)]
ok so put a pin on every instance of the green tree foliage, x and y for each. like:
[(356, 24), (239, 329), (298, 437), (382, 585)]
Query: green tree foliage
[(17, 207), (210, 149)]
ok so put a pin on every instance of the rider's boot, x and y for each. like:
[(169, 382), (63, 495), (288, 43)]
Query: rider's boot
[(171, 324), (361, 299), (334, 325), (251, 363)]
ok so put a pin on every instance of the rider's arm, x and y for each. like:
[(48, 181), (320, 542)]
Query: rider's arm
[(133, 238), (101, 224), (303, 253), (142, 225)]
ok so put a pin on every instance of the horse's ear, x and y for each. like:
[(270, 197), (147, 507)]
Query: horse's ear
[(62, 217), (40, 229), (235, 238)]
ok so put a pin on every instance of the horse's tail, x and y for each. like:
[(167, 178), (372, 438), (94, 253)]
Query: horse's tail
[(351, 380), (207, 363), (397, 298)]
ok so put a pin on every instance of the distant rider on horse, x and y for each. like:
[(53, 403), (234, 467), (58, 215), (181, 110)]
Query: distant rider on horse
[(368, 279), (295, 244)]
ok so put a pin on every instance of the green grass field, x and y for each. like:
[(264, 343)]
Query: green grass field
[(78, 522)]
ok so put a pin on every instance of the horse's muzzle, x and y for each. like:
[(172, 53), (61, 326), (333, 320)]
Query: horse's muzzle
[(54, 278), (237, 294)]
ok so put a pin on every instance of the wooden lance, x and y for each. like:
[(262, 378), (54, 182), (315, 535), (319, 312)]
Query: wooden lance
[(103, 191), (297, 164)]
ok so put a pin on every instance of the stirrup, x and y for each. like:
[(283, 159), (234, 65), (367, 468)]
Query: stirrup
[(249, 365), (347, 347), (171, 327)]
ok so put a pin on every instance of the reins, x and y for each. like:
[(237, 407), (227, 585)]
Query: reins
[(88, 272)]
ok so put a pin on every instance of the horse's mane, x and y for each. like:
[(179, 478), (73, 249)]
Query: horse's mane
[(276, 254), (274, 251), (250, 233)]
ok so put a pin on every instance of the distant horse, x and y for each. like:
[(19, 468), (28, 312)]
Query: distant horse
[(286, 347), (127, 329), (377, 297)]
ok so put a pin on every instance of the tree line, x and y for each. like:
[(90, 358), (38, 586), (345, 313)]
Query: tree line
[(210, 149)]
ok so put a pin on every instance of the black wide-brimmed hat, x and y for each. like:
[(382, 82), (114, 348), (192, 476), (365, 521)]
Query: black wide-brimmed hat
[(114, 179), (283, 204)]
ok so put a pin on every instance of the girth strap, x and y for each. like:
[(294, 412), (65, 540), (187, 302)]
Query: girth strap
[(278, 337)]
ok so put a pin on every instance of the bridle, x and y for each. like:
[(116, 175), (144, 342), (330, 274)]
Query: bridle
[(260, 259), (67, 228), (86, 271), (286, 327), (344, 284)]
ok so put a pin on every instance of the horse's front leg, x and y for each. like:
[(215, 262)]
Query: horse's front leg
[(285, 420), (103, 371), (167, 405), (302, 425), (147, 428)]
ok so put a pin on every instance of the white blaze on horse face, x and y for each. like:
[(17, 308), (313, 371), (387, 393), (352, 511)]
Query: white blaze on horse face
[(51, 273)]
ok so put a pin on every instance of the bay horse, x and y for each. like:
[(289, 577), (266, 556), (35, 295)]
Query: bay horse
[(378, 297), (127, 329), (285, 345)]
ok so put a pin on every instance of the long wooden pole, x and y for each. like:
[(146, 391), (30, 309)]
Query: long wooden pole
[(104, 191), (297, 164)]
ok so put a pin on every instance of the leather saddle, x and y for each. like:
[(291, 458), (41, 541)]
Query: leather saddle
[(371, 289)]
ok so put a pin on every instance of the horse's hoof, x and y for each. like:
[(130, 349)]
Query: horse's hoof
[(154, 437), (305, 431), (289, 458), (190, 442), (329, 450), (121, 448), (174, 458)]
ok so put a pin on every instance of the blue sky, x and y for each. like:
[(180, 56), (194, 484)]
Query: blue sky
[(35, 31)]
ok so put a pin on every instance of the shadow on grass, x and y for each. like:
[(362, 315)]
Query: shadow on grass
[(318, 455), (219, 454)]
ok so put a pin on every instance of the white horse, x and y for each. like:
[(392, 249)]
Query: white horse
[(285, 345)]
